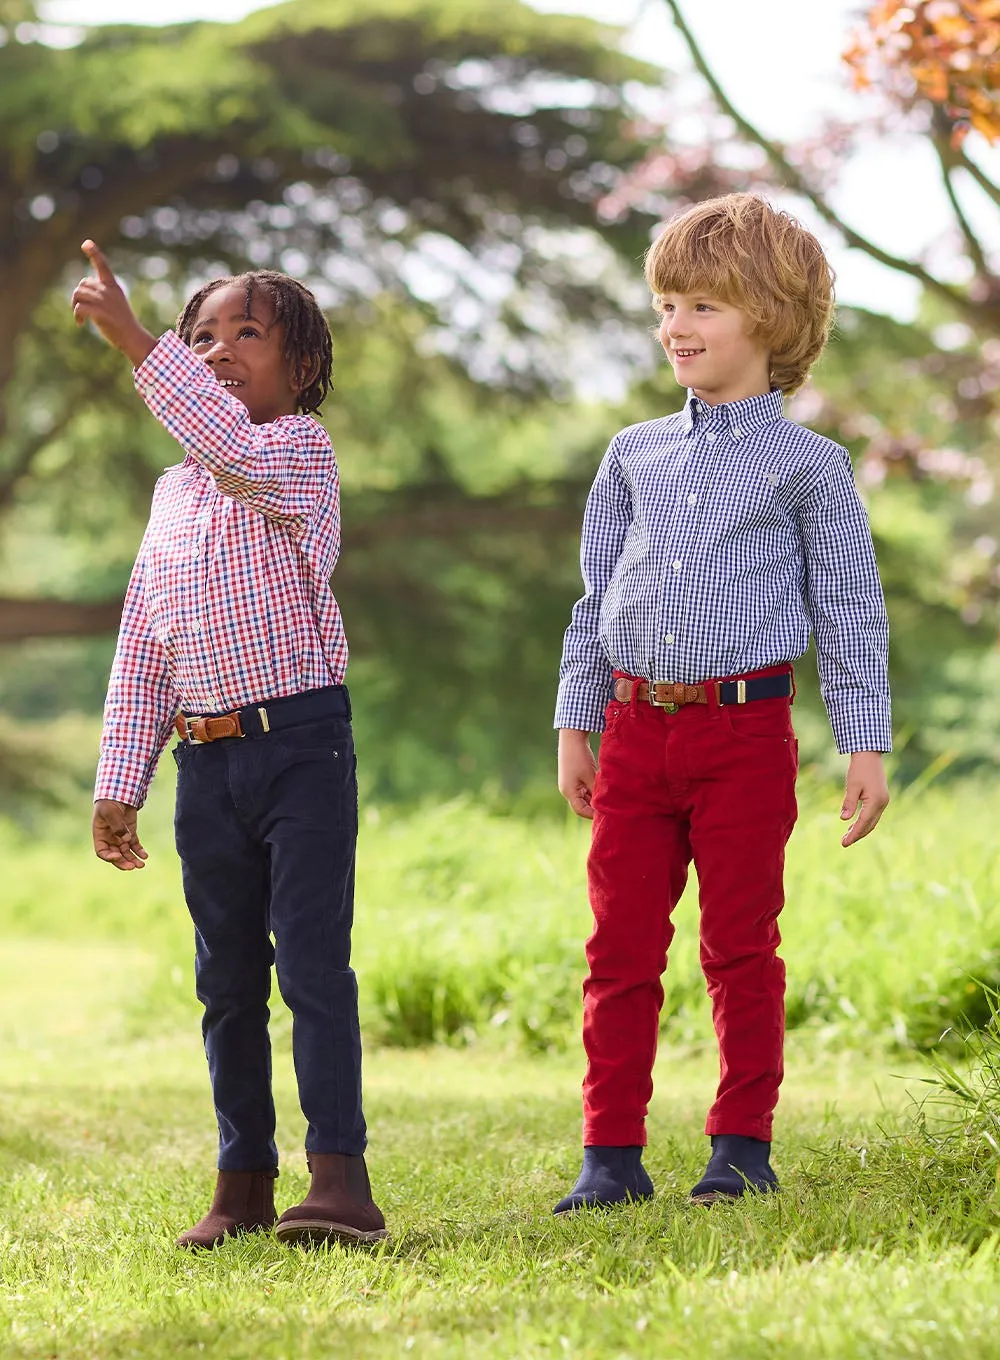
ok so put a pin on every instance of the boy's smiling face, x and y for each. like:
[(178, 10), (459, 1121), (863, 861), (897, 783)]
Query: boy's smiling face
[(709, 347), (244, 348)]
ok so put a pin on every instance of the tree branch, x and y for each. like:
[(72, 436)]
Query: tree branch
[(979, 175), (460, 519), (796, 181), (21, 618), (972, 243)]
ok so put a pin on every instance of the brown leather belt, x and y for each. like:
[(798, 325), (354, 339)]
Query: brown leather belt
[(670, 697), (664, 695), (256, 720), (199, 730)]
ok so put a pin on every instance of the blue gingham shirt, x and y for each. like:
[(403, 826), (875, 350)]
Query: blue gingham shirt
[(714, 541)]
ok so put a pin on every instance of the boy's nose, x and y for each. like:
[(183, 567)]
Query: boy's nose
[(218, 353)]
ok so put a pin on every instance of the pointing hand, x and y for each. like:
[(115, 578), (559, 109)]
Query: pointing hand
[(101, 300)]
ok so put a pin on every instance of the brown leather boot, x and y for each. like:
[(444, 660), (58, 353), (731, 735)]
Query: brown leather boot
[(243, 1202), (338, 1207)]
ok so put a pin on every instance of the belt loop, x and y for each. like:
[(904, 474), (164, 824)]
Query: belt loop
[(713, 691), (791, 672), (633, 703)]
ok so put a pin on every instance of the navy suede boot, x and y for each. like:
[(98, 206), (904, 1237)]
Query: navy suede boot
[(610, 1175), (737, 1164)]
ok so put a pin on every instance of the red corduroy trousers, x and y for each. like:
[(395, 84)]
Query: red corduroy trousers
[(716, 786)]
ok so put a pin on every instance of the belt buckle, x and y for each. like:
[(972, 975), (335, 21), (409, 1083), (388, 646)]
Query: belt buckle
[(667, 707), (188, 723)]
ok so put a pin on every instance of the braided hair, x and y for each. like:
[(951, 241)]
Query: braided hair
[(308, 342)]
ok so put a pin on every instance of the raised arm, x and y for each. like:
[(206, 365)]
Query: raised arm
[(278, 469)]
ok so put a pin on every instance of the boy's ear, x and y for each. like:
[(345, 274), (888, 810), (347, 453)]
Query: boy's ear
[(305, 372)]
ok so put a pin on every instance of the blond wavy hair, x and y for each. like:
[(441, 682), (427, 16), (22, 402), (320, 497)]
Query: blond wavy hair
[(741, 250)]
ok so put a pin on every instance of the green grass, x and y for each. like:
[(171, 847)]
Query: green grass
[(471, 924), (885, 1241), (881, 1244)]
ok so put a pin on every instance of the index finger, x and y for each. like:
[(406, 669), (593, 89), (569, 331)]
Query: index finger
[(95, 255), (865, 824)]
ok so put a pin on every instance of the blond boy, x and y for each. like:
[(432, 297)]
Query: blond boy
[(714, 542)]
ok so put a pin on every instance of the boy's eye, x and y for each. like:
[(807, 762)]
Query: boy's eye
[(201, 338), (248, 330)]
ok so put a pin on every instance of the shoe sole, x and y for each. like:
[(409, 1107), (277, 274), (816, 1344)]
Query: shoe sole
[(217, 1242), (600, 1205), (313, 1232)]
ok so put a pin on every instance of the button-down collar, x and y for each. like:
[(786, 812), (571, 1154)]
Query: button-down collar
[(737, 418)]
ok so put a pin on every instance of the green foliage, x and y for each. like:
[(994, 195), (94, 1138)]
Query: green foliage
[(965, 1091), (466, 454), (344, 142), (470, 923)]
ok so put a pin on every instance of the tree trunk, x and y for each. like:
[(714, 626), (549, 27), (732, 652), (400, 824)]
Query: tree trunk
[(21, 619)]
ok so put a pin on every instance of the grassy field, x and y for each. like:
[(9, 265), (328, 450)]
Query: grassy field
[(471, 924), (885, 1241)]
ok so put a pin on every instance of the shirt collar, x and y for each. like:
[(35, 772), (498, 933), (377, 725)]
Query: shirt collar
[(737, 417)]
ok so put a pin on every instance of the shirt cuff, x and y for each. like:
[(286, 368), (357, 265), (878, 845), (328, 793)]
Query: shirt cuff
[(860, 725), (125, 783), (580, 708)]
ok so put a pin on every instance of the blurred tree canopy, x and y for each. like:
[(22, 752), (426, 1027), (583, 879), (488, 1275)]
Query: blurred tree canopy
[(430, 167), (918, 405), (469, 189)]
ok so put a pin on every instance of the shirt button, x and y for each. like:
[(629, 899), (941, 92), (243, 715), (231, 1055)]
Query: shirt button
[(692, 499), (212, 701), (196, 626), (676, 565), (711, 436), (196, 553), (668, 638), (737, 431)]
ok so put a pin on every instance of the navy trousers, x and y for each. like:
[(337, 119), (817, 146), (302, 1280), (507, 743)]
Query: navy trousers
[(266, 828)]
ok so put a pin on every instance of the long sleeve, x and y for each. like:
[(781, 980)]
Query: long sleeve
[(847, 611), (140, 707), (279, 469), (585, 672)]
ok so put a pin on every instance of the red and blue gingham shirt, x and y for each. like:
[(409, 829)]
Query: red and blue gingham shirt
[(229, 601)]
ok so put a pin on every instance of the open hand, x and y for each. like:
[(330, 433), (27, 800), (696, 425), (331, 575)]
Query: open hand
[(115, 836), (867, 790), (577, 771), (101, 300)]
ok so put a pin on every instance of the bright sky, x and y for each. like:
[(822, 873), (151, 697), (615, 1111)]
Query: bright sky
[(780, 62)]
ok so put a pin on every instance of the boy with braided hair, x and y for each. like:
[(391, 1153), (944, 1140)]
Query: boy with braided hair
[(714, 542), (231, 634)]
